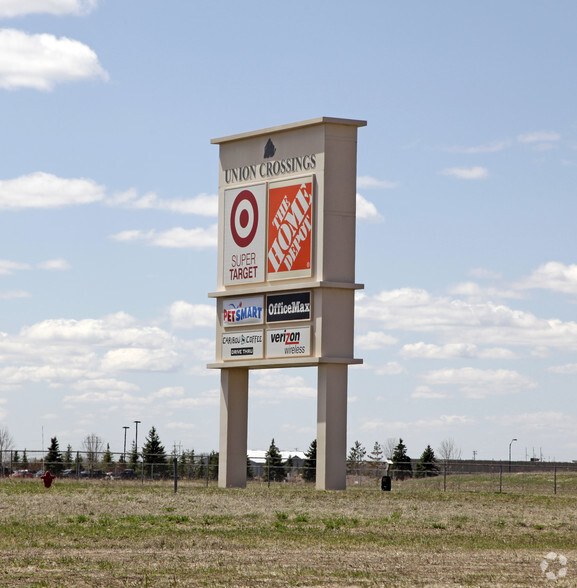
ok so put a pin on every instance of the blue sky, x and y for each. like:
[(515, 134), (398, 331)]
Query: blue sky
[(466, 213)]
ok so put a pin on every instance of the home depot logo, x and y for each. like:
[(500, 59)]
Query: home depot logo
[(290, 227)]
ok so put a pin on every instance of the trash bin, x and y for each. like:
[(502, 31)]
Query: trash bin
[(386, 483)]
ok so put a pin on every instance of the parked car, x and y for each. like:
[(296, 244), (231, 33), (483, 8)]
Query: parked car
[(128, 474), (22, 474), (92, 474), (68, 473)]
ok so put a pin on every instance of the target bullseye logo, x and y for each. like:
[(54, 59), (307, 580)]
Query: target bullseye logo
[(244, 218)]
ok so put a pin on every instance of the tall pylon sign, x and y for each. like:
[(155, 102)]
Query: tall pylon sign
[(286, 277)]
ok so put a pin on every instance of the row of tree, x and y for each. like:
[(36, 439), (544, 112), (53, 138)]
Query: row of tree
[(391, 456), (397, 460)]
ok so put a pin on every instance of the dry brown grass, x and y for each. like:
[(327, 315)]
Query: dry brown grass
[(109, 534)]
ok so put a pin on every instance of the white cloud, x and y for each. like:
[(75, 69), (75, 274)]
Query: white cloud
[(430, 351), (394, 427), (484, 274), (426, 393), (12, 8), (568, 368), (475, 292), (168, 392), (184, 315), (12, 294), (54, 265), (47, 374), (538, 137), (374, 340), (392, 368), (116, 330), (492, 147), (180, 426), (547, 421), (466, 173), (141, 359), (554, 276), (203, 204), (477, 383), (272, 386), (42, 61), (43, 190), (105, 384), (452, 351), (367, 210), (9, 267), (484, 323), (178, 237), (368, 182)]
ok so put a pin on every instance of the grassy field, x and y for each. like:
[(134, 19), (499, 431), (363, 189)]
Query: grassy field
[(130, 534)]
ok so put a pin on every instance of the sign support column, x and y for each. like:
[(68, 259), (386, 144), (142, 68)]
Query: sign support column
[(233, 428), (331, 426)]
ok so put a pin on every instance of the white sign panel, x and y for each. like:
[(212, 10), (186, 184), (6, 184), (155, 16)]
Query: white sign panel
[(289, 342), (237, 312), (244, 235), (245, 345)]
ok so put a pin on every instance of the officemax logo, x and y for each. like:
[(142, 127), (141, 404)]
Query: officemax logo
[(293, 306)]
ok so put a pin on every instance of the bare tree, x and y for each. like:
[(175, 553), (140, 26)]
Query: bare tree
[(389, 447), (6, 444), (93, 446), (448, 450)]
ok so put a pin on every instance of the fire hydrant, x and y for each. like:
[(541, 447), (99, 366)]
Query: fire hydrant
[(47, 479)]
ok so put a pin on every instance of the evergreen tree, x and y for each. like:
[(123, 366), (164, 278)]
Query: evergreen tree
[(107, 458), (153, 452), (402, 467), (181, 468), (53, 459), (15, 461), (427, 465), (309, 471), (213, 465), (274, 469), (68, 459), (24, 460), (249, 470), (133, 456), (356, 456), (376, 457), (200, 471)]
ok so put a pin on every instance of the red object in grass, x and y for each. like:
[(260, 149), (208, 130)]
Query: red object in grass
[(47, 478)]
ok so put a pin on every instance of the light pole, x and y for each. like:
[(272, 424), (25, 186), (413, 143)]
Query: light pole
[(510, 453), (124, 452), (136, 438)]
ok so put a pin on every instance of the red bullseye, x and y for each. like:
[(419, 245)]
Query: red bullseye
[(242, 233)]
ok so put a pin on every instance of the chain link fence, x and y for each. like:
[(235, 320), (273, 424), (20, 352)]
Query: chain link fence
[(446, 476)]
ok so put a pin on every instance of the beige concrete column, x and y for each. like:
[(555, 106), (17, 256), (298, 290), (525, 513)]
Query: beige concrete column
[(233, 428), (332, 427)]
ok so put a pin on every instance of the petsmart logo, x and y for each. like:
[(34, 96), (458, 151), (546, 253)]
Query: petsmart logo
[(243, 311)]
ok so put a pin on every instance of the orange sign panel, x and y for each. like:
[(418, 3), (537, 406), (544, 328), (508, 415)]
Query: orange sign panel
[(289, 249)]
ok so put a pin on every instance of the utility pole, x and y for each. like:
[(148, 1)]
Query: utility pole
[(124, 452), (136, 437)]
